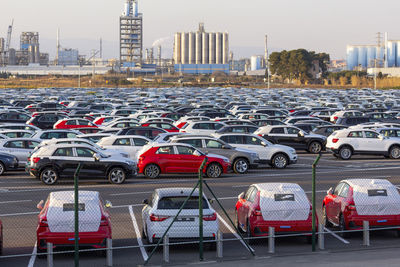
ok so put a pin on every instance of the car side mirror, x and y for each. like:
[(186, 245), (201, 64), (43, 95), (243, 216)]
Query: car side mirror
[(96, 157), (381, 137), (145, 201), (263, 143), (108, 204), (39, 206), (300, 134), (241, 196), (226, 147), (196, 153), (330, 191)]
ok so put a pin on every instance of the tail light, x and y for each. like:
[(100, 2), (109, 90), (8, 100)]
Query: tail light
[(211, 217), (141, 158), (257, 212), (335, 118), (335, 140), (157, 218), (292, 110), (259, 135), (35, 160), (182, 131), (351, 207), (104, 221), (43, 222), (31, 124)]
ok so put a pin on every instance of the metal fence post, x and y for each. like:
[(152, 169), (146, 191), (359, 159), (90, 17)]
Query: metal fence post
[(109, 252), (166, 249), (321, 237), (271, 240), (49, 254), (366, 233), (219, 245)]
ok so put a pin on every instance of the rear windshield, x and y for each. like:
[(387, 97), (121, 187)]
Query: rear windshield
[(377, 192), (174, 203), (284, 197), (70, 206)]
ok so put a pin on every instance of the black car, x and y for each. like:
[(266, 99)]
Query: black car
[(266, 122), (8, 162), (306, 127), (49, 164), (46, 121), (13, 117), (327, 130), (351, 121), (237, 129), (149, 132)]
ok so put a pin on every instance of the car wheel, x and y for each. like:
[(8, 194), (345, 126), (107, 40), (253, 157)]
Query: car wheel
[(2, 168), (152, 171), (345, 153), (214, 170), (314, 147), (49, 176), (342, 227), (116, 176), (279, 161), (325, 220), (394, 152), (240, 166)]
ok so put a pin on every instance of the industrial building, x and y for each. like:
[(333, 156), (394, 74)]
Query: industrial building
[(201, 52), (131, 35), (68, 57)]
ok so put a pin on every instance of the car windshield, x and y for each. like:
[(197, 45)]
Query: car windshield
[(175, 203)]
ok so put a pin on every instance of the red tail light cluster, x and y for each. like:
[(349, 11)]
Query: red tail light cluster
[(104, 221), (158, 218), (335, 140), (211, 217), (257, 212), (43, 222), (35, 160)]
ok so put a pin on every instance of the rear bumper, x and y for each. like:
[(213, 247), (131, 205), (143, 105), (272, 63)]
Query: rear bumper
[(262, 228), (356, 222)]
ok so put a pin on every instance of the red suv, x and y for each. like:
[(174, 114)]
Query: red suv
[(179, 158), (356, 200), (73, 124), (283, 206)]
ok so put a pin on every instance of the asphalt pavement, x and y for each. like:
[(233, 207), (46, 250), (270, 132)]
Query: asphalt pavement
[(19, 195)]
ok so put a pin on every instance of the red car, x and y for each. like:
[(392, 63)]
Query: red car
[(283, 206), (56, 221), (356, 200), (73, 124), (158, 159), (163, 125), (103, 119)]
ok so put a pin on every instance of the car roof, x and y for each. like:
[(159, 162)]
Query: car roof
[(176, 191), (278, 187), (368, 182), (68, 196)]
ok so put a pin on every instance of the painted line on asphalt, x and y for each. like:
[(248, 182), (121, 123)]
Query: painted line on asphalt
[(138, 234), (19, 214), (15, 201), (335, 235), (126, 206), (233, 231), (132, 193), (33, 257)]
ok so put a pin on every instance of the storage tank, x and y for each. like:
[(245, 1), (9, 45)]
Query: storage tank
[(380, 54), (31, 54), (37, 54), (362, 56), (371, 56), (205, 47), (199, 48), (211, 47), (225, 48), (185, 48), (177, 48), (219, 48), (391, 53), (398, 54), (255, 62), (192, 48), (352, 57)]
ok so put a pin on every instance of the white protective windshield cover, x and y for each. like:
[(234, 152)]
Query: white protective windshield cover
[(272, 210), (64, 221), (375, 205)]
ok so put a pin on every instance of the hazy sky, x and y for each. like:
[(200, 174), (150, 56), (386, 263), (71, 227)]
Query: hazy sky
[(320, 25)]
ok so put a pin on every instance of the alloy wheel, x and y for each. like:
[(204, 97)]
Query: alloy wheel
[(117, 176), (315, 147), (49, 176), (241, 166), (280, 161), (214, 171), (395, 153), (152, 171)]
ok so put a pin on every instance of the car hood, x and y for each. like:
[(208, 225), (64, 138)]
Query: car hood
[(217, 156), (315, 136), (244, 150), (282, 147)]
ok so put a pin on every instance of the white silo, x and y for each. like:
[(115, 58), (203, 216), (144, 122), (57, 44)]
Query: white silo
[(352, 57), (199, 51), (362, 56), (391, 53), (225, 50), (205, 47), (211, 48), (219, 48), (255, 62), (398, 54), (177, 48), (192, 48), (185, 48), (371, 55)]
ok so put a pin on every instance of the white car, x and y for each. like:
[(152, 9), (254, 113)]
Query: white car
[(202, 127), (55, 134), (278, 156), (160, 210), (19, 147), (129, 144), (16, 133), (347, 142)]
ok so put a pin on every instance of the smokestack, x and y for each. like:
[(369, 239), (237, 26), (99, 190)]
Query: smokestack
[(101, 48), (58, 45), (266, 50), (386, 50), (159, 55)]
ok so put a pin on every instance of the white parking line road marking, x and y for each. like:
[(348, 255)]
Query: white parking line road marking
[(126, 206), (15, 201), (19, 214), (33, 257), (138, 234), (233, 232), (132, 193), (335, 235)]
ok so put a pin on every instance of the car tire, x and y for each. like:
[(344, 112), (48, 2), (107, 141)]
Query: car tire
[(151, 171), (116, 175), (240, 165), (394, 152), (49, 176), (280, 161), (214, 170), (315, 147), (342, 227), (2, 168), (345, 153), (325, 220)]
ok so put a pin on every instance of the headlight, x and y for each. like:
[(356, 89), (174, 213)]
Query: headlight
[(293, 151), (226, 160)]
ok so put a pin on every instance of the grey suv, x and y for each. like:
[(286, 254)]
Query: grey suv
[(241, 159)]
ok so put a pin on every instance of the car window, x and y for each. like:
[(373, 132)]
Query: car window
[(337, 189), (140, 141), (84, 152), (237, 129), (369, 134), (217, 126), (166, 126), (213, 144), (279, 130), (344, 190), (356, 134), (193, 142), (63, 152), (251, 140), (184, 150), (83, 122), (253, 195), (31, 144), (122, 142), (15, 144), (291, 130), (165, 150), (71, 122), (71, 135), (175, 203), (232, 139), (249, 193)]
